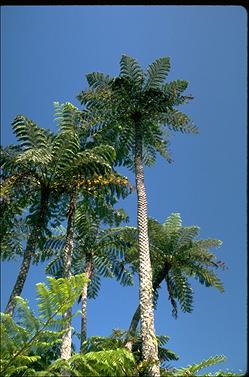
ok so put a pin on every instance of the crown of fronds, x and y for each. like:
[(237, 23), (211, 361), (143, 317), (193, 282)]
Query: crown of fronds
[(176, 255), (114, 105), (106, 247)]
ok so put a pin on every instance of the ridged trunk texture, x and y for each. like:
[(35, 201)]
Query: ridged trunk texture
[(88, 272), (66, 345), (158, 279), (149, 342), (29, 251)]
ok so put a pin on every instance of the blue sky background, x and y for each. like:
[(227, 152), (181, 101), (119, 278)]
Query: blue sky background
[(46, 52)]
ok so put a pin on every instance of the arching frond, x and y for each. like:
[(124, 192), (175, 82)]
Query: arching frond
[(192, 369), (97, 80), (207, 277), (184, 291), (130, 68), (186, 235), (156, 73), (28, 133), (178, 121), (172, 223), (93, 287)]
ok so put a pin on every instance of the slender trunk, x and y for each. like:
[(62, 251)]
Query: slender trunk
[(149, 341), (66, 344), (29, 251), (88, 272), (158, 279)]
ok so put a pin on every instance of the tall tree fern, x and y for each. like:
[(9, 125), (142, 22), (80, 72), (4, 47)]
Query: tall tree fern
[(130, 111), (176, 256)]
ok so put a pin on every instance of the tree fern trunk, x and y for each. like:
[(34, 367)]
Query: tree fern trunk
[(149, 342), (157, 281), (29, 251), (88, 272), (66, 345)]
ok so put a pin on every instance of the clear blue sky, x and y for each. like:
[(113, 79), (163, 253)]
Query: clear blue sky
[(46, 52)]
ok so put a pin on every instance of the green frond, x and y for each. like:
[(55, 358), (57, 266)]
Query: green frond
[(93, 287), (178, 121), (173, 91), (191, 370), (207, 277), (59, 295), (116, 363), (24, 316), (97, 80), (28, 133), (42, 156), (56, 267), (173, 223), (207, 243), (156, 73), (186, 235), (130, 68), (183, 291)]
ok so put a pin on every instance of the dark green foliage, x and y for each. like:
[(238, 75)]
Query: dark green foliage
[(113, 106), (176, 256), (105, 245)]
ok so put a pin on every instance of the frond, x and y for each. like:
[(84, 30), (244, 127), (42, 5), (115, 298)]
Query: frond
[(97, 80), (207, 243), (59, 295), (24, 316), (186, 235), (93, 287), (130, 69), (173, 223), (156, 73), (207, 277), (40, 156), (183, 290), (28, 133), (173, 92), (117, 363), (55, 267), (178, 121), (192, 369)]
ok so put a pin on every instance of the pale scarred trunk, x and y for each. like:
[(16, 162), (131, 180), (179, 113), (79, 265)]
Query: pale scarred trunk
[(149, 342), (157, 280), (88, 271), (29, 251), (66, 345)]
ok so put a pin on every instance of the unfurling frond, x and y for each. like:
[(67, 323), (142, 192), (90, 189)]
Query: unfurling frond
[(157, 72), (130, 69)]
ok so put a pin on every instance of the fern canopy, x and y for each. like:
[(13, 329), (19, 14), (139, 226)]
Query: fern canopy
[(115, 105)]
